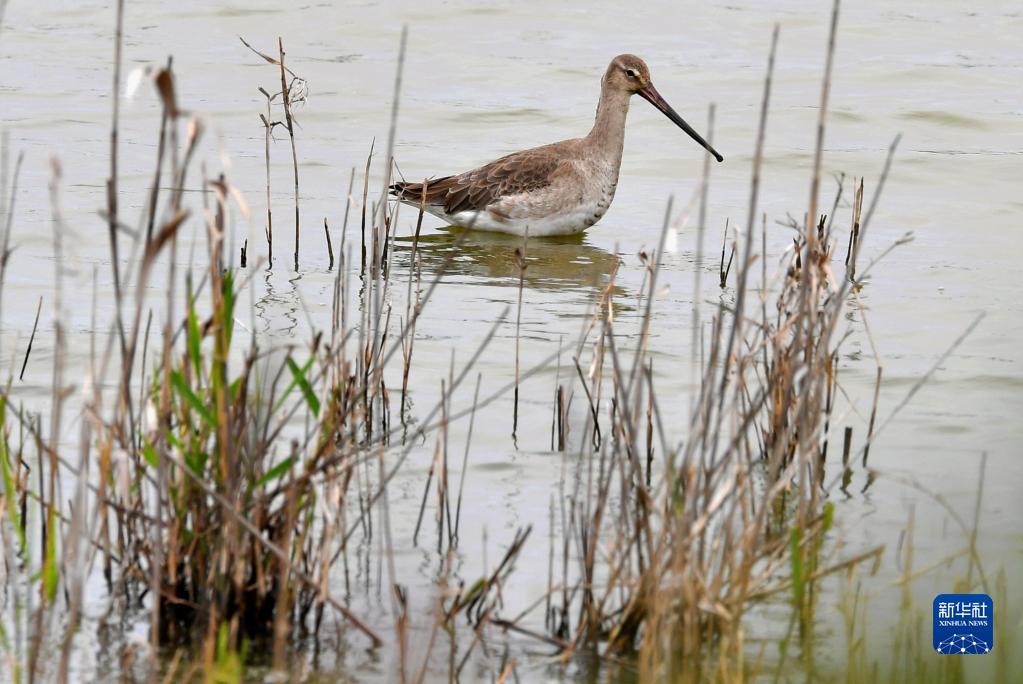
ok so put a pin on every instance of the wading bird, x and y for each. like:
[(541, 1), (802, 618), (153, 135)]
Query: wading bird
[(558, 189)]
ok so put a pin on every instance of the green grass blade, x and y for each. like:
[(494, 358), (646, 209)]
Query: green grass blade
[(190, 397), (275, 472), (228, 307), (10, 488), (796, 556), (149, 454), (291, 386), (51, 572), (194, 334), (299, 376)]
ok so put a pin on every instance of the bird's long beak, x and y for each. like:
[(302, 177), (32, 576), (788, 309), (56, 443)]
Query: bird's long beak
[(651, 95)]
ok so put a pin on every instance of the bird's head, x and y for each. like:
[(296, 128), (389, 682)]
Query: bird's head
[(630, 74)]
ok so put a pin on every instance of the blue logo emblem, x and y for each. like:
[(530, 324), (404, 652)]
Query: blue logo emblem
[(963, 624)]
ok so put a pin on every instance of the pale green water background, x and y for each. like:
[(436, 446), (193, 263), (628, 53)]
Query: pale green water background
[(481, 81)]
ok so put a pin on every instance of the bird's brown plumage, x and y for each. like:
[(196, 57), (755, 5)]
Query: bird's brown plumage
[(475, 190)]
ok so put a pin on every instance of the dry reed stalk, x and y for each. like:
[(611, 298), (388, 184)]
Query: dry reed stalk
[(705, 183), (289, 124), (465, 456), (330, 247), (594, 415), (654, 270), (829, 403), (521, 265), (758, 155), (8, 205), (31, 339), (267, 132), (381, 234), (724, 269), (426, 492), (410, 334), (815, 250), (443, 499), (974, 555), (839, 189), (154, 190), (112, 179), (923, 379), (822, 113), (854, 233), (365, 202), (701, 231)]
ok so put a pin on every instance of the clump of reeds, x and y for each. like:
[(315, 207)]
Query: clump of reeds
[(200, 503)]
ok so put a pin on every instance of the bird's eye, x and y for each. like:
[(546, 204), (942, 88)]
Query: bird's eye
[(631, 73)]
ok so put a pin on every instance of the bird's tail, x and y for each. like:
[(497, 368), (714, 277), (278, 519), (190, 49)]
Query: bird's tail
[(435, 191)]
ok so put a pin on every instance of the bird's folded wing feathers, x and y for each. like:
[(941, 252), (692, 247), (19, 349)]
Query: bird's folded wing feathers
[(475, 190)]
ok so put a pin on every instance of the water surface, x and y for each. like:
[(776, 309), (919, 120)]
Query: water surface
[(484, 81)]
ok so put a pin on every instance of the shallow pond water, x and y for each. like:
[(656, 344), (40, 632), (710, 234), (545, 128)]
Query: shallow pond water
[(481, 81)]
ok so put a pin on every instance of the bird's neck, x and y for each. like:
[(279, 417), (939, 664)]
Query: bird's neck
[(608, 132)]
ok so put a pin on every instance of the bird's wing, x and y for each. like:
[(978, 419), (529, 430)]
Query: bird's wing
[(475, 190)]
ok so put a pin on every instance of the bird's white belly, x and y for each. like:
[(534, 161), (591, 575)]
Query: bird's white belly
[(565, 222), (539, 220)]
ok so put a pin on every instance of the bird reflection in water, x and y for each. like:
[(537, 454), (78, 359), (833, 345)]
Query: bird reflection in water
[(552, 263)]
